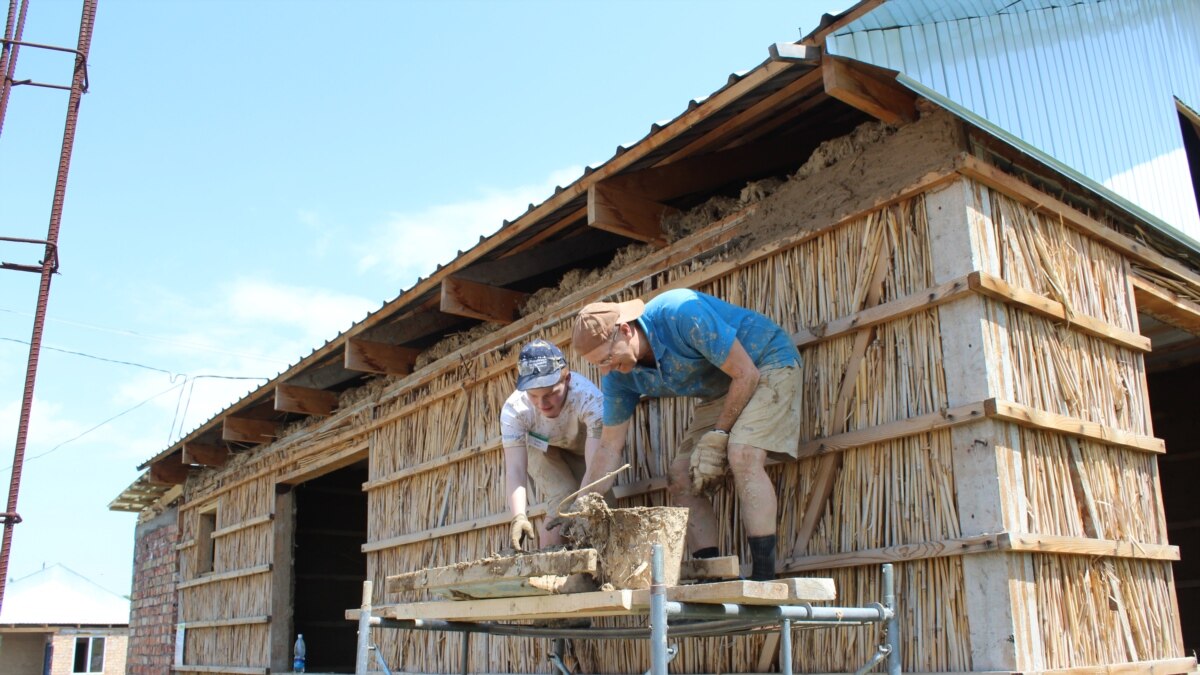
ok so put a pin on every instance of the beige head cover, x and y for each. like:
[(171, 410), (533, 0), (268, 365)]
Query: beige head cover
[(595, 322)]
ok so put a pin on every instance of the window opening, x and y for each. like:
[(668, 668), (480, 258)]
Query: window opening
[(89, 655)]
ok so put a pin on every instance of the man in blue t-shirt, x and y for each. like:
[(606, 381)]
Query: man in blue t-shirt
[(745, 371)]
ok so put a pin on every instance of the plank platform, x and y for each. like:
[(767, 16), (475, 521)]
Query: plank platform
[(608, 603), (498, 569)]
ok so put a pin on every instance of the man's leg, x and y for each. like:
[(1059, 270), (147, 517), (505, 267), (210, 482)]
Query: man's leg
[(702, 519), (552, 475), (758, 504)]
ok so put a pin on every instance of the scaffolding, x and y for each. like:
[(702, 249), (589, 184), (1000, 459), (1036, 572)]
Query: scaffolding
[(696, 620), (10, 46)]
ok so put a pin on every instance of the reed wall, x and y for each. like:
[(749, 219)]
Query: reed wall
[(435, 494)]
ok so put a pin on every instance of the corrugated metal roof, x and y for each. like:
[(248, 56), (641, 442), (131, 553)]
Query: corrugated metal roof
[(1091, 83)]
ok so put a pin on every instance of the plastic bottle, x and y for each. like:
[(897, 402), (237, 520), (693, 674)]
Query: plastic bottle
[(298, 655)]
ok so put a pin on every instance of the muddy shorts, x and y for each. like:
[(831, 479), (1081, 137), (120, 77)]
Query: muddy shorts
[(556, 473), (770, 421)]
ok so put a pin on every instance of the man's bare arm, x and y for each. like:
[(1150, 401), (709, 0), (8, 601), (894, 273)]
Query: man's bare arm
[(740, 367), (604, 455)]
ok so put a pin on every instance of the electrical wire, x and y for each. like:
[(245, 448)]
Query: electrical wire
[(144, 336)]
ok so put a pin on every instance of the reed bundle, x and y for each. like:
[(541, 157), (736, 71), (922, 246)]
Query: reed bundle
[(1063, 371), (225, 599), (1129, 601), (229, 645), (1125, 480), (1033, 251)]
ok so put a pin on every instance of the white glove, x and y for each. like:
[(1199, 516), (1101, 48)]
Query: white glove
[(519, 530), (709, 462)]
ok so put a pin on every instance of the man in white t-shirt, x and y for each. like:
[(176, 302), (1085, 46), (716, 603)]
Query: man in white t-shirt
[(549, 427)]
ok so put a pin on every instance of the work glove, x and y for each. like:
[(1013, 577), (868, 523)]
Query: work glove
[(709, 462), (519, 530)]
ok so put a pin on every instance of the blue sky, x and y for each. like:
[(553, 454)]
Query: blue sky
[(251, 177)]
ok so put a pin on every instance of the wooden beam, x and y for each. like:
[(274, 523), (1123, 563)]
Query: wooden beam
[(614, 210), (1072, 426), (891, 431), (809, 589), (599, 603), (237, 527), (890, 311), (871, 89), (379, 357), (999, 289), (1049, 543), (741, 592), (1166, 306), (876, 556), (290, 398), (225, 576), (205, 455), (498, 568), (169, 471), (220, 623), (1157, 667), (480, 301), (723, 567), (247, 430)]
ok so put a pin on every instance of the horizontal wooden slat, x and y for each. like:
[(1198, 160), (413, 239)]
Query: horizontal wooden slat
[(223, 576), (723, 567), (1072, 426), (217, 623), (998, 289), (233, 670), (492, 444), (184, 545), (599, 603), (1166, 306), (497, 569), (892, 430), (1160, 667), (984, 543), (259, 520)]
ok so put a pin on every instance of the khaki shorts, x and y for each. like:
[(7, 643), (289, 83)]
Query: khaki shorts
[(770, 421), (556, 473)]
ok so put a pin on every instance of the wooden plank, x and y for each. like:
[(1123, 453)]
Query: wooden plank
[(599, 603), (490, 445), (224, 576), (809, 589), (614, 210), (184, 545), (369, 356), (205, 455), (977, 169), (871, 89), (498, 568), (997, 288), (723, 567), (877, 556), (739, 592), (319, 464), (1156, 667), (258, 520), (169, 471), (232, 670), (549, 584), (480, 301), (1048, 543), (893, 430), (305, 400), (879, 314), (1041, 419), (1165, 306), (217, 623), (247, 430)]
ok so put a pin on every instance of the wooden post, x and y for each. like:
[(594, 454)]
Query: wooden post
[(1000, 602), (282, 585)]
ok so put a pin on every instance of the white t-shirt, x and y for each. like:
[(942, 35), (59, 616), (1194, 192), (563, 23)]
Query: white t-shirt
[(582, 417)]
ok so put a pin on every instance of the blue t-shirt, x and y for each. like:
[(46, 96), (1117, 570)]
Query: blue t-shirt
[(691, 334)]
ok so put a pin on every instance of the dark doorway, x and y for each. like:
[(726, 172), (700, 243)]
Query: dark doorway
[(329, 566), (1173, 371)]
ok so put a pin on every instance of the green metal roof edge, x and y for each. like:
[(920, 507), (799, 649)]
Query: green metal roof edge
[(1150, 219)]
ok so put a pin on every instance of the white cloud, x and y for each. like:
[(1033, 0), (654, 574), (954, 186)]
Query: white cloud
[(319, 314), (412, 244)]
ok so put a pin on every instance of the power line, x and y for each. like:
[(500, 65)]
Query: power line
[(144, 336)]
